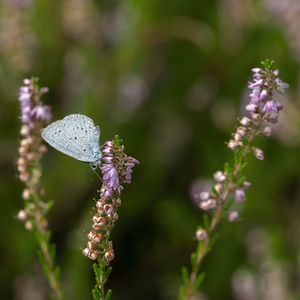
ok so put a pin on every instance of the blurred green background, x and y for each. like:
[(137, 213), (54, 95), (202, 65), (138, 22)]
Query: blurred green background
[(170, 78)]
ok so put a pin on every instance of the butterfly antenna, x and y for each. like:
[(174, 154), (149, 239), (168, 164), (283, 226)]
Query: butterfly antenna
[(94, 170)]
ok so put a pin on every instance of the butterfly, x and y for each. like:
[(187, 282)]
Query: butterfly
[(77, 136)]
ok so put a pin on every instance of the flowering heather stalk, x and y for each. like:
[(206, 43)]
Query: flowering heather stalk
[(230, 185), (34, 115), (116, 169)]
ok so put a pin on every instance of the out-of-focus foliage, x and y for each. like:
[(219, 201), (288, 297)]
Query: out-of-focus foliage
[(170, 78)]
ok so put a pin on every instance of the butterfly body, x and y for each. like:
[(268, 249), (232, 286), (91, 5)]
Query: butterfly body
[(75, 135)]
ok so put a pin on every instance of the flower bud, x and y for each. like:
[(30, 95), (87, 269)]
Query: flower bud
[(242, 131), (95, 237), (267, 131), (233, 216), (237, 137), (115, 217), (92, 254), (22, 215), (99, 204), (96, 218), (108, 208), (251, 107), (21, 168), (201, 234), (43, 149), (246, 184), (245, 121), (232, 144), (97, 226), (109, 255), (204, 196), (28, 225), (208, 204), (117, 202), (259, 154), (24, 176), (219, 176), (255, 116), (218, 188), (26, 194), (91, 245), (24, 130), (21, 161), (240, 195)]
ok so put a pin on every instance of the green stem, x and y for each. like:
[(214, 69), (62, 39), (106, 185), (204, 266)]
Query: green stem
[(42, 234), (50, 266)]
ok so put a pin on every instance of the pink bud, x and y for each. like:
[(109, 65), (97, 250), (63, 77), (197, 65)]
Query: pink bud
[(259, 154), (233, 216)]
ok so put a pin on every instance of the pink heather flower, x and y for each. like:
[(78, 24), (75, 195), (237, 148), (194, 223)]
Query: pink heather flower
[(106, 192), (31, 108), (240, 195), (259, 154), (42, 113), (116, 166), (263, 87), (110, 176), (272, 107), (25, 103), (219, 176), (201, 234), (251, 107), (233, 216), (131, 162)]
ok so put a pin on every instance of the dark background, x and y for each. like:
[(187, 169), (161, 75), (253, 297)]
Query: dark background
[(170, 77)]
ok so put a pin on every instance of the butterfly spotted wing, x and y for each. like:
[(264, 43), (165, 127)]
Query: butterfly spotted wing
[(75, 135)]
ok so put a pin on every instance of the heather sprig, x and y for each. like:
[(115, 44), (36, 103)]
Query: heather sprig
[(34, 116), (230, 185), (116, 169)]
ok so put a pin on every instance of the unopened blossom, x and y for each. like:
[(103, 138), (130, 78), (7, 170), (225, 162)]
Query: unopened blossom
[(259, 154), (240, 195), (204, 196), (267, 131), (219, 176), (42, 112), (245, 121), (233, 216), (201, 234), (208, 204)]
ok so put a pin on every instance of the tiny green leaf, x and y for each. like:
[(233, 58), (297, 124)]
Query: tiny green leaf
[(108, 295), (185, 275), (199, 280)]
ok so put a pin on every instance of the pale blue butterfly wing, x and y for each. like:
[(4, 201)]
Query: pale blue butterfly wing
[(75, 135)]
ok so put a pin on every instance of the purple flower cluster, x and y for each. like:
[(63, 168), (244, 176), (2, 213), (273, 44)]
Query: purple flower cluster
[(263, 88), (109, 171), (264, 109), (31, 107), (31, 150), (116, 169)]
